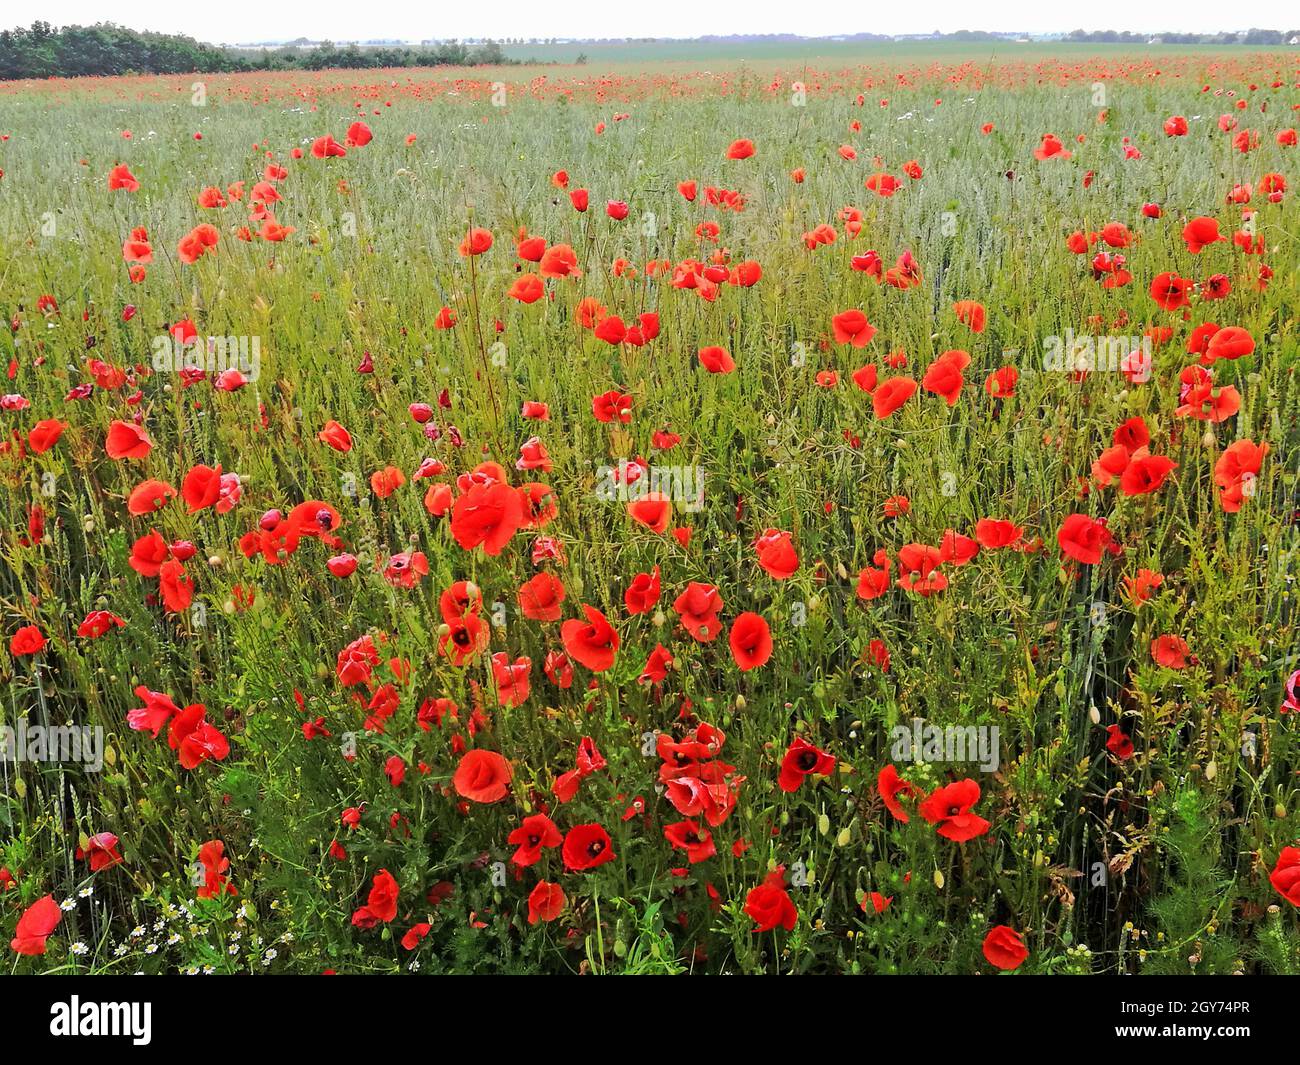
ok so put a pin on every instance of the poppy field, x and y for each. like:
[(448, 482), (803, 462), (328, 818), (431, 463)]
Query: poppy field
[(779, 519)]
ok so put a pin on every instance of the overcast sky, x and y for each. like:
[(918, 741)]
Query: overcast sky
[(339, 20)]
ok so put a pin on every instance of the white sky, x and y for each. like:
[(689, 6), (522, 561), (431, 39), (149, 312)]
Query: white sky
[(403, 19)]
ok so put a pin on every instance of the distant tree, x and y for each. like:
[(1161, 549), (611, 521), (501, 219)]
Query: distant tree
[(107, 49)]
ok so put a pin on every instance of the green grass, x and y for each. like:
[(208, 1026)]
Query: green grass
[(1010, 643)]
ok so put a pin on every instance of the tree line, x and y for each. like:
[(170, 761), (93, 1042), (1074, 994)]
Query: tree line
[(105, 49), (1249, 37)]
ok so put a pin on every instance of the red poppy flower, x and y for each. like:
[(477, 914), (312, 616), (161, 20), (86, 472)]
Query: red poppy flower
[(540, 597), (100, 851), (891, 394), (534, 833), (28, 640), (1004, 948), (476, 242), (892, 788), (201, 487), (97, 623), (1119, 743), (971, 314), (327, 147), (120, 177), (45, 434), (693, 838), (642, 594), (1230, 342), (993, 533), (802, 760), (586, 847), (195, 739), (1051, 148), (593, 642), (1169, 651), (415, 935), (750, 641), (769, 904), (486, 514), (1171, 291), (944, 377), (1084, 539), (381, 903), (482, 776), (335, 436), (716, 360), (1285, 876), (35, 926), (512, 678), (545, 902), (215, 863), (177, 589), (949, 808), (776, 554), (126, 440), (852, 327), (698, 608), (653, 510), (1199, 232)]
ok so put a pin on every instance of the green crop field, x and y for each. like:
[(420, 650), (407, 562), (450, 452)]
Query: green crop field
[(831, 513)]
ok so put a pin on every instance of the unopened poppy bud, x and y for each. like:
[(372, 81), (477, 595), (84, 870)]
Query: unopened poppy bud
[(938, 879)]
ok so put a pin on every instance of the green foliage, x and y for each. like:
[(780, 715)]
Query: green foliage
[(1104, 865), (106, 49)]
